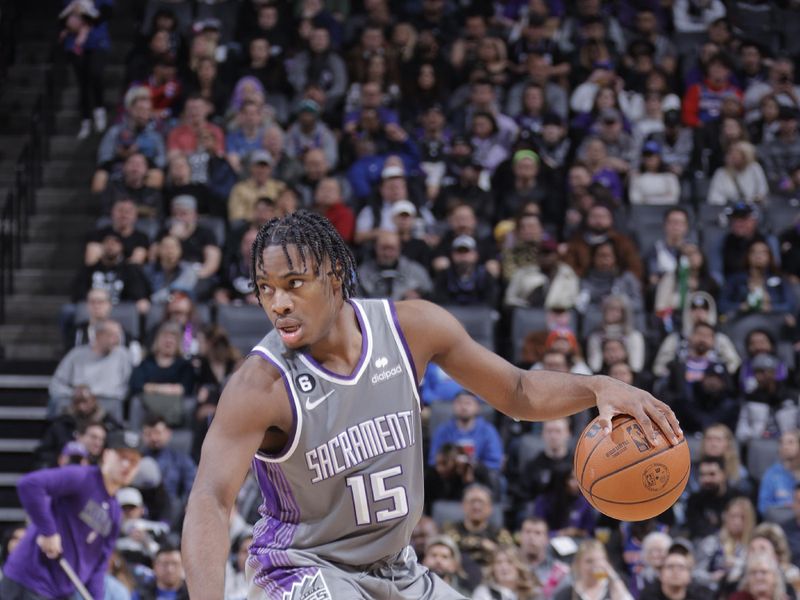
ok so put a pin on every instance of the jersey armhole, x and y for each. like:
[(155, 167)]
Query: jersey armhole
[(402, 345), (297, 415)]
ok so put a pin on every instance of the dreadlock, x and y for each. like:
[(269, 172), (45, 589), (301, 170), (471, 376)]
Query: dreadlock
[(315, 237)]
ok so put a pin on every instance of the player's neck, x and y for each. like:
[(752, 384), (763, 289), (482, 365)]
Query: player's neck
[(340, 349)]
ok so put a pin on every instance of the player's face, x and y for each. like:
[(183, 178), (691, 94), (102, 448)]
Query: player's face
[(301, 305)]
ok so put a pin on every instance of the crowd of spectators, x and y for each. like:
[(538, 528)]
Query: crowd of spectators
[(627, 171)]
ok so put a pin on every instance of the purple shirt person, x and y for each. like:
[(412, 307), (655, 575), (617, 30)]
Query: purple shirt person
[(74, 515)]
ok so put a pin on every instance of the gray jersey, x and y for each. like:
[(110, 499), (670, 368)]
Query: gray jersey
[(348, 485)]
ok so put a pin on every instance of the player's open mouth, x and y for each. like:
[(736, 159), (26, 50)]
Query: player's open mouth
[(290, 334)]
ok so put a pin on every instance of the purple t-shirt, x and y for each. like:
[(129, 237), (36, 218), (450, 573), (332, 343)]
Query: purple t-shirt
[(72, 501)]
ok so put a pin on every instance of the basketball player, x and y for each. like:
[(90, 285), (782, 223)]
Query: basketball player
[(328, 405)]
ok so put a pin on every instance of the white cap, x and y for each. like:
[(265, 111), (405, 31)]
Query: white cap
[(404, 207), (670, 102), (130, 496), (392, 171)]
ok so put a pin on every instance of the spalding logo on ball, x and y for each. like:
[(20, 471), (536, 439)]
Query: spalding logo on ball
[(626, 476)]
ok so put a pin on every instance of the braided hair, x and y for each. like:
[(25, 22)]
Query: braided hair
[(315, 237)]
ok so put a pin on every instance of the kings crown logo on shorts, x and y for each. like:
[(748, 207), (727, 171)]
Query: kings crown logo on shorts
[(311, 587)]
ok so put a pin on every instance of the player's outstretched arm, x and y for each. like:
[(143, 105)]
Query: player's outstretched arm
[(250, 404), (435, 335)]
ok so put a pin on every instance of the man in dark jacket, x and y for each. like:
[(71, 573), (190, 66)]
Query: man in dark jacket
[(675, 578), (169, 579)]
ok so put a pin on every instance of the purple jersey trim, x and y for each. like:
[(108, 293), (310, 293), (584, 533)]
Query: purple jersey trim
[(403, 340), (362, 358), (285, 377)]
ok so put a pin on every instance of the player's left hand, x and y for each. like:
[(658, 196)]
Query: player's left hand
[(617, 398)]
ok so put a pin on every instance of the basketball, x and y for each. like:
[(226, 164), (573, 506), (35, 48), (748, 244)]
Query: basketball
[(626, 476)]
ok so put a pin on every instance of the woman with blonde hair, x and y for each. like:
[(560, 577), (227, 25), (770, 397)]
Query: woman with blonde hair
[(740, 179), (507, 578), (593, 578), (762, 580), (719, 553), (770, 540)]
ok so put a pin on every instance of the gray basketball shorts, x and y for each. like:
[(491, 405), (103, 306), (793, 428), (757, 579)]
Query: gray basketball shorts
[(299, 575)]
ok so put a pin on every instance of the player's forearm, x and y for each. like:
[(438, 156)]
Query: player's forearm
[(545, 395), (205, 546)]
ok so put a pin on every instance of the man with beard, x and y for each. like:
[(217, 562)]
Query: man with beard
[(465, 281), (691, 363), (443, 558), (705, 506), (675, 578), (707, 401), (391, 275), (771, 408), (599, 227), (534, 543)]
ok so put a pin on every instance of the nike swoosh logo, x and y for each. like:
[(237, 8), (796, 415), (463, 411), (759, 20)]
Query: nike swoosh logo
[(312, 405)]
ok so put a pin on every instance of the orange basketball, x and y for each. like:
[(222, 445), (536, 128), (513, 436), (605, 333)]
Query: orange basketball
[(626, 476)]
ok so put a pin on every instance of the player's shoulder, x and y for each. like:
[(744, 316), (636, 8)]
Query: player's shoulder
[(424, 322), (255, 374)]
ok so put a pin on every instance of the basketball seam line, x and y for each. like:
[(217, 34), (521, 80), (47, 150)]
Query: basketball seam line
[(596, 444), (641, 460), (669, 491)]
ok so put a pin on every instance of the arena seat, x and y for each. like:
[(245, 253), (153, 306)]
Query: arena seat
[(217, 227), (123, 313), (450, 512), (479, 321), (761, 454), (738, 328), (156, 314), (527, 320), (530, 446), (245, 325)]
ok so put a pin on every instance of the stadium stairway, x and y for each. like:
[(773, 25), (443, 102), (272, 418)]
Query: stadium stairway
[(30, 338)]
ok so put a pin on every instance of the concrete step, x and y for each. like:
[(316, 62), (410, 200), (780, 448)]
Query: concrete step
[(42, 308), (74, 196), (31, 351), (43, 281), (27, 75), (68, 146), (60, 172), (24, 382), (50, 224), (29, 332), (41, 255), (10, 145)]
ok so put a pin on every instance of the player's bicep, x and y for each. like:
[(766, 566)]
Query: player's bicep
[(249, 405)]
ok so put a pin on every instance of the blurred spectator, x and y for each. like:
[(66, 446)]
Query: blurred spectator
[(260, 183), (526, 187), (104, 367), (204, 81), (181, 181), (718, 440), (319, 65), (780, 480), (563, 506), (523, 252), (767, 539), (461, 220), (779, 84), (617, 323), (64, 427), (138, 543), (308, 131), (663, 257), (759, 341), (181, 311), (507, 576), (55, 501), (470, 431), (391, 275), (476, 536), (759, 287), (705, 506), (404, 217), (86, 41), (599, 228), (465, 281), (655, 546), (123, 224), (782, 154), (675, 578), (677, 287), (677, 142), (376, 216), (98, 307), (537, 69), (236, 584), (247, 135), (329, 202), (721, 551), (702, 102), (593, 576), (177, 468), (198, 244), (235, 283), (73, 453), (164, 86), (606, 276), (92, 435), (132, 182), (443, 558), (527, 481), (315, 169), (534, 544), (453, 470), (699, 307), (790, 247), (169, 578), (462, 184), (195, 132), (550, 283), (136, 133), (263, 62), (791, 527), (164, 377), (169, 273), (741, 179), (424, 531), (709, 400), (762, 580), (771, 409), (655, 184)]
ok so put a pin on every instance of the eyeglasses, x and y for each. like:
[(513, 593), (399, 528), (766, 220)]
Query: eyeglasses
[(675, 566)]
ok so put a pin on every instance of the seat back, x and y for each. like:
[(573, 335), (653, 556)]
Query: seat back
[(761, 454), (245, 325), (479, 321), (124, 313)]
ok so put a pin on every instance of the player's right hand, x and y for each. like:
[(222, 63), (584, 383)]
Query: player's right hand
[(50, 545)]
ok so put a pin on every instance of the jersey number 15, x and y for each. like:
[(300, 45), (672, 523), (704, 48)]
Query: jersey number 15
[(358, 488)]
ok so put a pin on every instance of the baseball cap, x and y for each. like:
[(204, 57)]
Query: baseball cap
[(308, 105), (124, 440), (715, 368), (404, 207), (130, 496), (741, 210), (682, 545), (261, 157), (74, 448), (210, 24), (699, 301), (671, 102), (464, 242), (651, 147), (447, 542), (392, 171), (523, 154), (764, 362), (184, 201), (552, 118)]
